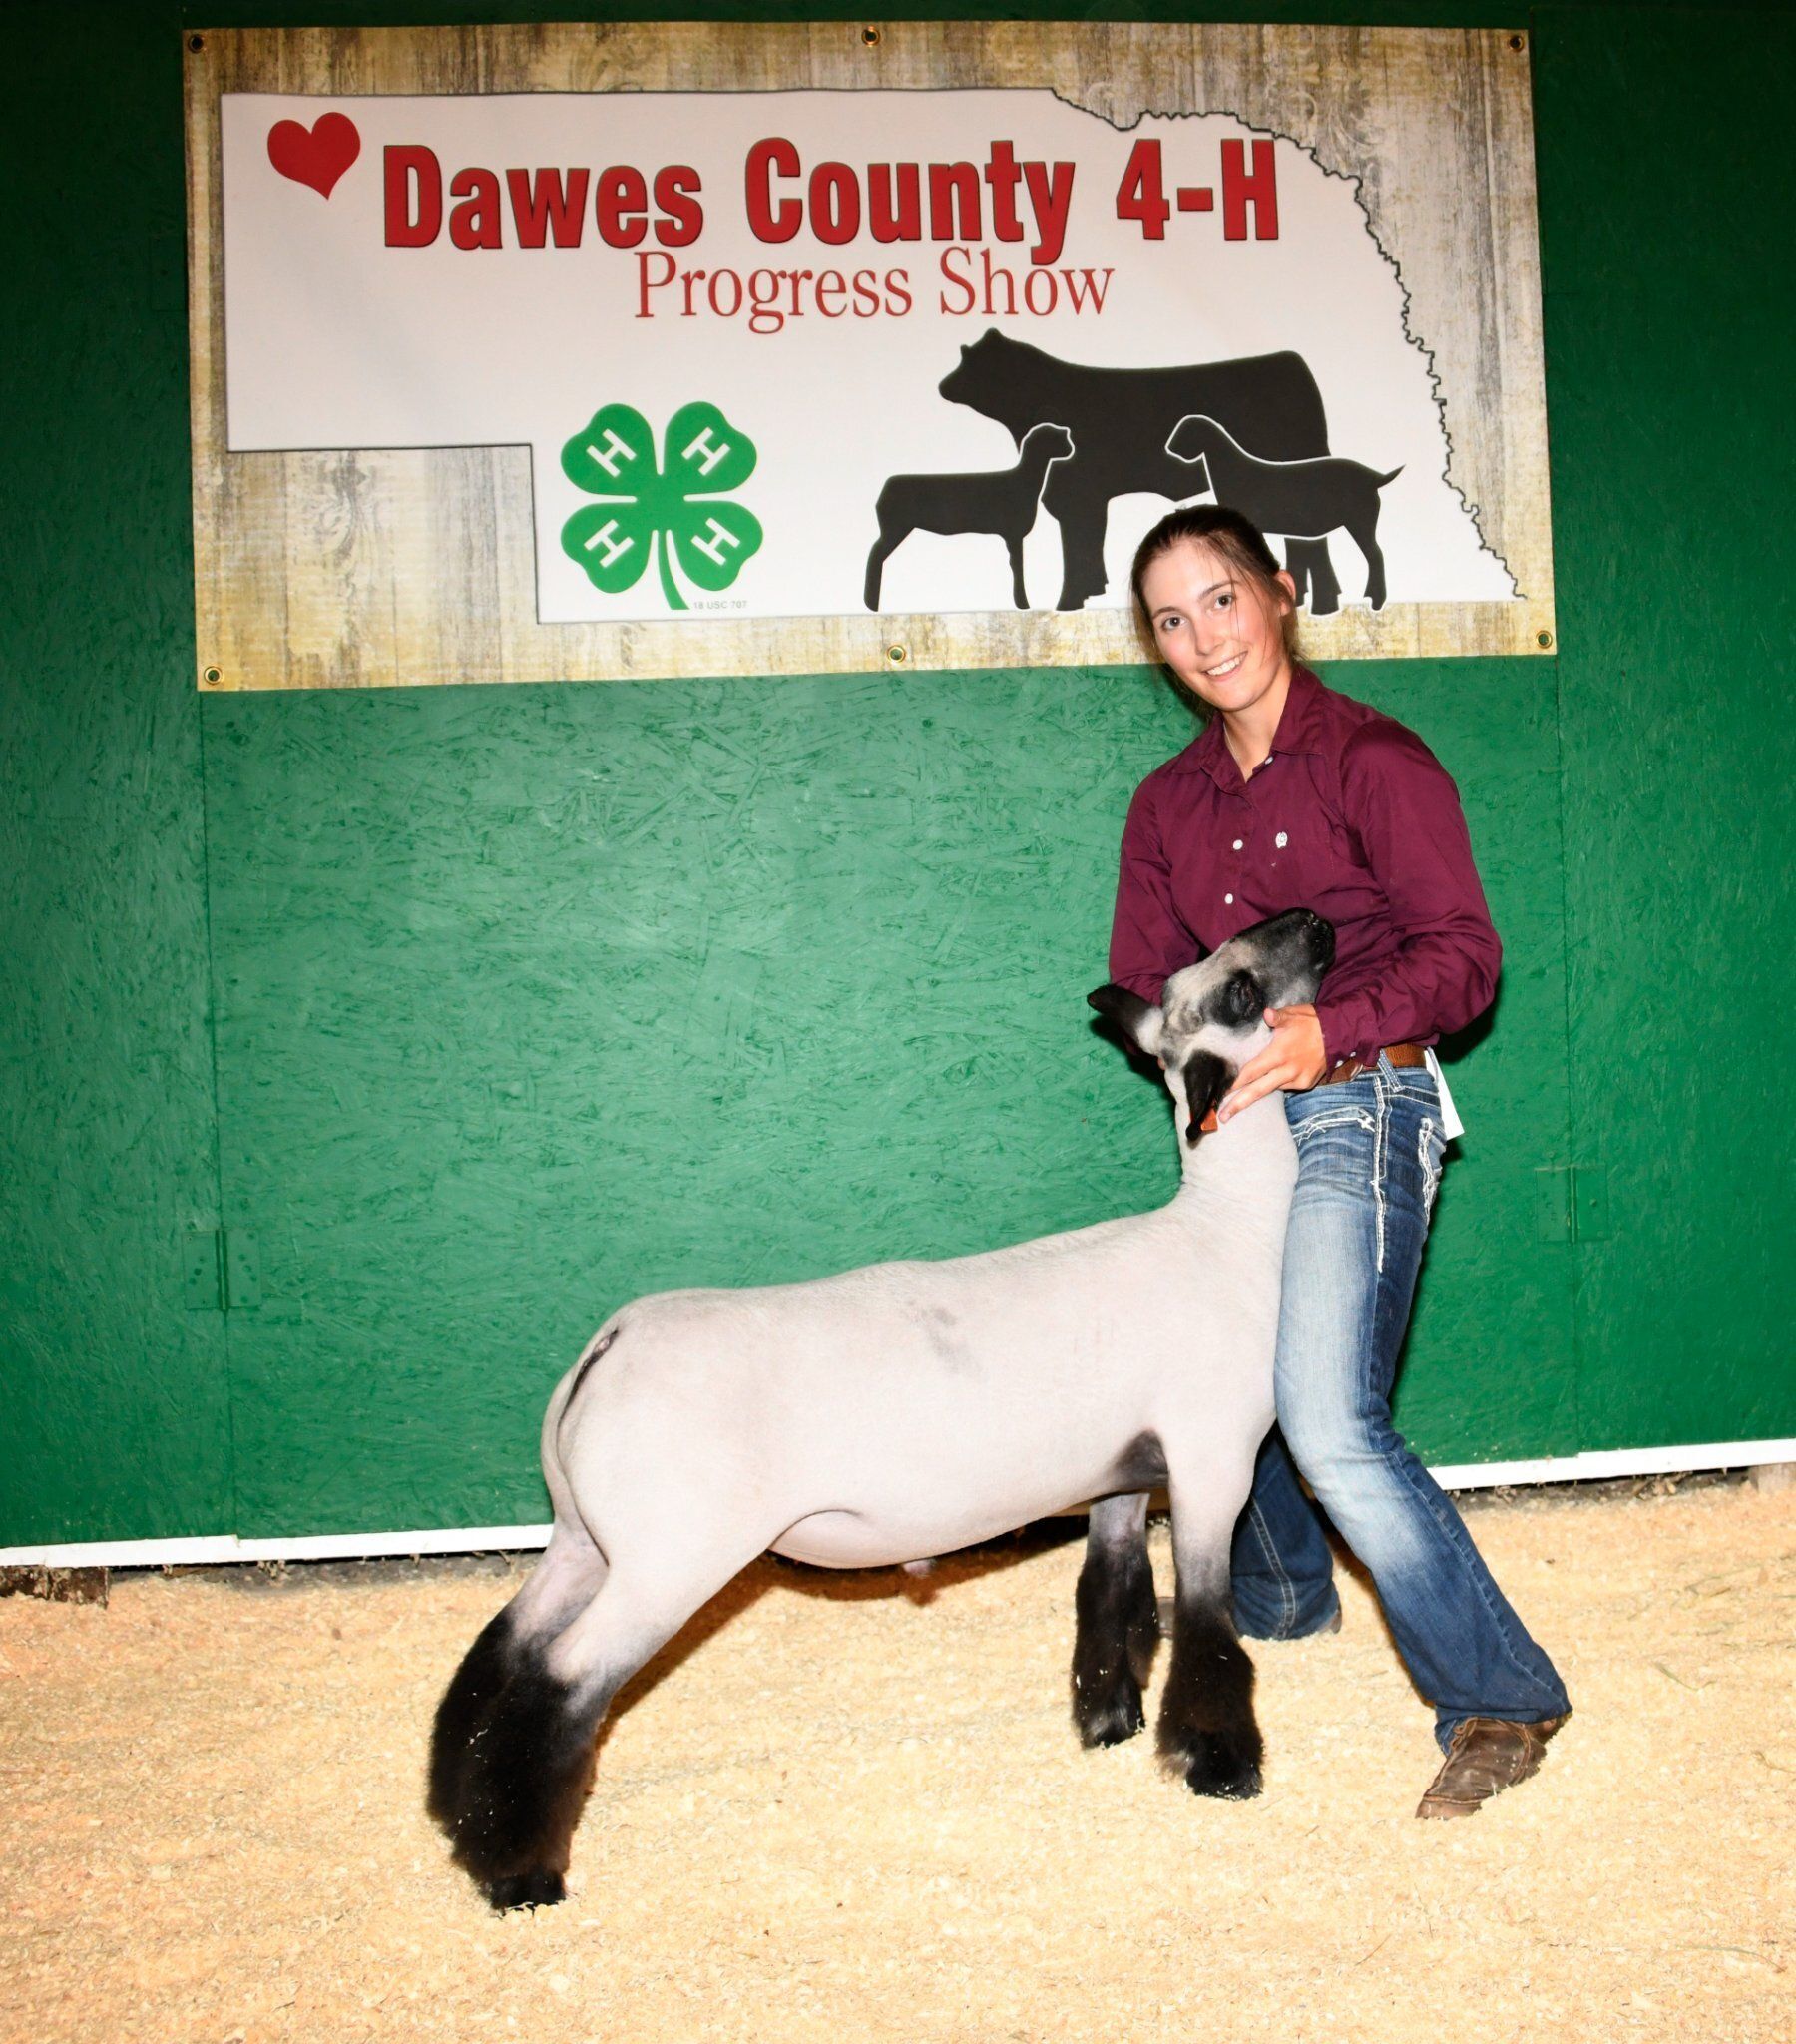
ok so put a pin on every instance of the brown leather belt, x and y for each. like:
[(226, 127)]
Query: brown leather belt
[(1405, 1056)]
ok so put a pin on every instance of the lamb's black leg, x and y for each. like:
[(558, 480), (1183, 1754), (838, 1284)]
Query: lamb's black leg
[(514, 1765), (1117, 1623), (510, 1760), (510, 1646), (1208, 1732), (467, 1704), (524, 1776), (528, 1778)]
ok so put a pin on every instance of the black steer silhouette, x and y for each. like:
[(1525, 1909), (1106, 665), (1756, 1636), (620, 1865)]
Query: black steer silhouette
[(1121, 420)]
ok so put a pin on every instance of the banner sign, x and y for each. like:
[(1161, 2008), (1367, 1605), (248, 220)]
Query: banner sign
[(692, 361)]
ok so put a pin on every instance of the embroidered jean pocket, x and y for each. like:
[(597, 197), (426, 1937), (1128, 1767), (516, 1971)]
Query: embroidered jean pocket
[(1338, 1146), (1430, 1146), (1308, 1126)]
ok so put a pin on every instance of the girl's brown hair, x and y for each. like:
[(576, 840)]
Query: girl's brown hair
[(1240, 542)]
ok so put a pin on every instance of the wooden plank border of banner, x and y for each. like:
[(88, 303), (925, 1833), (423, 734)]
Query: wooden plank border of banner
[(370, 568)]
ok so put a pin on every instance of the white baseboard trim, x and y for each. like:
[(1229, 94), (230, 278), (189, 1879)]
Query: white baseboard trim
[(205, 1548), (1599, 1462), (201, 1549)]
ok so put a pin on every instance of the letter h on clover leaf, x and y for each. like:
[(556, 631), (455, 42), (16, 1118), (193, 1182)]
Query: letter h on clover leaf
[(683, 504)]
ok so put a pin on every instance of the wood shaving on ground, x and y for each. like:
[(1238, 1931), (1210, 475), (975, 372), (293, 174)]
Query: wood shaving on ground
[(853, 1807)]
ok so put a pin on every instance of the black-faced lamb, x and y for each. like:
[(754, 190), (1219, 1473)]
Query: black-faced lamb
[(907, 1409), (1002, 501)]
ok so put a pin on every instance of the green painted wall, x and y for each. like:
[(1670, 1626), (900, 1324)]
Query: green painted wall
[(114, 1402), (1671, 305), (481, 1010)]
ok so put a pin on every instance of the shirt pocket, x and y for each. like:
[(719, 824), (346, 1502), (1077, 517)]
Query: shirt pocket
[(1309, 861)]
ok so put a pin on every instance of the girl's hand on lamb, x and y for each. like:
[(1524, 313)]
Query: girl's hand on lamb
[(1292, 1062)]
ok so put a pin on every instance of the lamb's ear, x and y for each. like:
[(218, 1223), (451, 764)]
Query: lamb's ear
[(1137, 1019), (1207, 1079)]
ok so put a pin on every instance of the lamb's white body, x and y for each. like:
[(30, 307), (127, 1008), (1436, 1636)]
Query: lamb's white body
[(907, 1409)]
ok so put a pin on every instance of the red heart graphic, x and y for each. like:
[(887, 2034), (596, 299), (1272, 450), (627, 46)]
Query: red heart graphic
[(316, 156)]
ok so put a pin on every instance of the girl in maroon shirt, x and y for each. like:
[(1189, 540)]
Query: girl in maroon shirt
[(1295, 797)]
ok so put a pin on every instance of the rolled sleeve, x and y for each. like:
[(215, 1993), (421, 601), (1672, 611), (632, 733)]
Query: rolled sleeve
[(1402, 806)]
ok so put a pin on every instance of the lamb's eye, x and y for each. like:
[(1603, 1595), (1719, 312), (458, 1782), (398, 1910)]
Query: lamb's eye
[(1243, 998)]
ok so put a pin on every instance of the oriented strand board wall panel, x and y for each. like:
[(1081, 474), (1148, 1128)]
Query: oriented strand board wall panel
[(379, 567), (1676, 726), (115, 1419), (538, 1000)]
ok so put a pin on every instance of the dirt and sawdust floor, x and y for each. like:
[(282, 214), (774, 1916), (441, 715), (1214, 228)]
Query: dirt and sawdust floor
[(840, 1809)]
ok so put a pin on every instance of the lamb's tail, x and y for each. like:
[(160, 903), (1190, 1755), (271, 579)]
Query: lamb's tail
[(564, 1395)]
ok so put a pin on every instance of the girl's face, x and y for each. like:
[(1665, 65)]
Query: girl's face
[(1215, 630)]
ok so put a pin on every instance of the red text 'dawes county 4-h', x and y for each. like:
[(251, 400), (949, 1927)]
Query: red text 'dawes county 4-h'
[(807, 353)]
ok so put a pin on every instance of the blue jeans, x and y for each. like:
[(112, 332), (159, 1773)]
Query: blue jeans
[(1369, 1152)]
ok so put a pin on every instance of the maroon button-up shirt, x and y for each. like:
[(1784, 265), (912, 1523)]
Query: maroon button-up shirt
[(1350, 814)]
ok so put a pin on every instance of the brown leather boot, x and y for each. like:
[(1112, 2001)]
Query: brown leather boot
[(1485, 1757)]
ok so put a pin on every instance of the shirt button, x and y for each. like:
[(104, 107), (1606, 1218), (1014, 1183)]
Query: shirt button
[(1280, 841), (1238, 843), (1228, 901)]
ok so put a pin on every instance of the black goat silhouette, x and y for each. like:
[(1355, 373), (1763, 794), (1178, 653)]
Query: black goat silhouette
[(1120, 419), (1003, 502), (1295, 499)]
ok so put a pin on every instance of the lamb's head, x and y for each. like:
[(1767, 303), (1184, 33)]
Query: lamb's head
[(1048, 442), (1212, 1018), (1194, 436)]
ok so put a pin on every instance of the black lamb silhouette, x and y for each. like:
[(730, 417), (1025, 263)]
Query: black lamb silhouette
[(1001, 501), (1295, 499), (1120, 419)]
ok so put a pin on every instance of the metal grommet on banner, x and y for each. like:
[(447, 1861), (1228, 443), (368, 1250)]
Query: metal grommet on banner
[(1542, 640), (897, 654), (195, 42), (872, 35), (213, 674), (1517, 42)]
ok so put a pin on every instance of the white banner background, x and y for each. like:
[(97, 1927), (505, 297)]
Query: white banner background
[(380, 493), (337, 339)]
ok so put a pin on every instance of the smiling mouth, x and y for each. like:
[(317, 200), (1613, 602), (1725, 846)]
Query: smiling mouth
[(1225, 668)]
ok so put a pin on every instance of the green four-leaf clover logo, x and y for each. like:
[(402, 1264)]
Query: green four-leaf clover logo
[(682, 504)]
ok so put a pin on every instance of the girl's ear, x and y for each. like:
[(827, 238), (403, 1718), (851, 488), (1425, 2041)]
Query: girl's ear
[(1285, 581), (1141, 1021)]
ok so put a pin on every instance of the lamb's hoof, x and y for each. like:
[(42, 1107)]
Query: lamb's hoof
[(1219, 1766), (537, 1889), (1111, 1723)]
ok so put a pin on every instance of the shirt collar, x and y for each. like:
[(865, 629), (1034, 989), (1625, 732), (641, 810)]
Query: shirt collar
[(1299, 730)]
